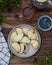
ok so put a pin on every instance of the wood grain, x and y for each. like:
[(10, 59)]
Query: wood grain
[(46, 37)]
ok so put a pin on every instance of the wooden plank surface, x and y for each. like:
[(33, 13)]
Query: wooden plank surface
[(46, 37)]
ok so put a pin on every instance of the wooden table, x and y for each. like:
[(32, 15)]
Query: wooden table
[(45, 36)]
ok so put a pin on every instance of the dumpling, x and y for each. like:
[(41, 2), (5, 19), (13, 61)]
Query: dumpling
[(13, 35), (25, 30), (32, 34), (34, 44), (35, 36), (25, 40), (24, 47), (32, 41), (16, 46), (19, 30), (18, 37)]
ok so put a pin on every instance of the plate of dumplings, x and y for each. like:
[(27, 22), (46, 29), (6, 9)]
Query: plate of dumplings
[(24, 41)]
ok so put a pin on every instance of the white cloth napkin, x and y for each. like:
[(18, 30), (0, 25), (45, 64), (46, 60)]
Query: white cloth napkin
[(4, 50)]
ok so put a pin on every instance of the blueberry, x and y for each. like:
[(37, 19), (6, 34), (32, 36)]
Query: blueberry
[(45, 23)]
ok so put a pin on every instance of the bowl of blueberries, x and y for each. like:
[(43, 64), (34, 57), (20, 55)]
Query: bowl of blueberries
[(45, 23)]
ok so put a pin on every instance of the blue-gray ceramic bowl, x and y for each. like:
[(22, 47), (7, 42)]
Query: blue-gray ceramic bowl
[(39, 21), (40, 5), (31, 50)]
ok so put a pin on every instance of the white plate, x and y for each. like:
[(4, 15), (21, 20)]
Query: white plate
[(31, 50)]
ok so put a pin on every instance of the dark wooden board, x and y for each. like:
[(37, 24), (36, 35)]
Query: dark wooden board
[(46, 37)]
